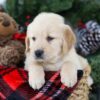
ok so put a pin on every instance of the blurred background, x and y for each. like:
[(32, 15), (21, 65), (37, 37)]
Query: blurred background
[(74, 11)]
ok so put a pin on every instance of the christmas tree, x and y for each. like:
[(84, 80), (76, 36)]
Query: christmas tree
[(74, 10)]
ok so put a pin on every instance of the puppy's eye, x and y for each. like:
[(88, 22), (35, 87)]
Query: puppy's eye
[(33, 38), (49, 38)]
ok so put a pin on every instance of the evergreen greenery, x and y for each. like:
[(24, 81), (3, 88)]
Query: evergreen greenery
[(74, 9), (94, 61)]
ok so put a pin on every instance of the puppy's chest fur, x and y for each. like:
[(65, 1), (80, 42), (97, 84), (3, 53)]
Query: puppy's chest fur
[(53, 67), (70, 57)]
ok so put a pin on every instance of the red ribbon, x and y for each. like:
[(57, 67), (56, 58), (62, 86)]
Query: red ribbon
[(19, 36), (81, 24)]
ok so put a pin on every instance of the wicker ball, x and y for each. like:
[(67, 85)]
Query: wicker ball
[(9, 56), (81, 92)]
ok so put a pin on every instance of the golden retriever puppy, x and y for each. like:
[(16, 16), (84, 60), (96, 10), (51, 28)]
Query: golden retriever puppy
[(50, 47)]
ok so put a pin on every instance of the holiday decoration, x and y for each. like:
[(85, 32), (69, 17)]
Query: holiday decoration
[(11, 49), (88, 38)]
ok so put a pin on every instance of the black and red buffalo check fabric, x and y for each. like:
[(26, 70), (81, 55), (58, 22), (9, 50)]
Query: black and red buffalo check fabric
[(14, 86)]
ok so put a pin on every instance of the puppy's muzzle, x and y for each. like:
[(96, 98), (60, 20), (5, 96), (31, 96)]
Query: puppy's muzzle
[(39, 54)]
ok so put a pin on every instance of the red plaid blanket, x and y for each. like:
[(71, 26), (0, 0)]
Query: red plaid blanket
[(14, 86)]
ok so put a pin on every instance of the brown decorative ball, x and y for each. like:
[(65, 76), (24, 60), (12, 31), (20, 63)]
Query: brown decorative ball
[(18, 46), (9, 56)]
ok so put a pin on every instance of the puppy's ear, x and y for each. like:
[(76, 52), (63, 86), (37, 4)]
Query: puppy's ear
[(69, 39), (27, 43)]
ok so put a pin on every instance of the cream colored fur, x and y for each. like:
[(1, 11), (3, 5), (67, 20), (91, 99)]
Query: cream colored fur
[(59, 54)]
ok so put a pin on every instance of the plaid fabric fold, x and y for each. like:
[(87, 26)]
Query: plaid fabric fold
[(14, 86)]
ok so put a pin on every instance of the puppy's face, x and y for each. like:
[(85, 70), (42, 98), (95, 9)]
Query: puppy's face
[(48, 43)]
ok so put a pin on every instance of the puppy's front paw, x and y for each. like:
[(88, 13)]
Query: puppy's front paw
[(69, 79), (36, 82)]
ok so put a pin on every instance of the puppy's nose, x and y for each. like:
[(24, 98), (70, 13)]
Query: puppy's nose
[(39, 53)]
